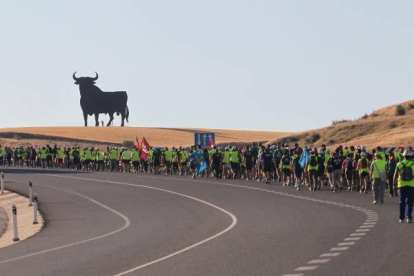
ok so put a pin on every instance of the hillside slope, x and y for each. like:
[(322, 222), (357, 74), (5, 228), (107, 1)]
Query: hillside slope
[(383, 127)]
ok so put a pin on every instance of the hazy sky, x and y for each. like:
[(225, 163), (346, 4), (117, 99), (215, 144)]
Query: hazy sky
[(260, 65)]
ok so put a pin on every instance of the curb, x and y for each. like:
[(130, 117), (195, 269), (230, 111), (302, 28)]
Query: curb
[(4, 220)]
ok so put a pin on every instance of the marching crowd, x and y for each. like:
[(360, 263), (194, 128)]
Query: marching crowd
[(344, 168)]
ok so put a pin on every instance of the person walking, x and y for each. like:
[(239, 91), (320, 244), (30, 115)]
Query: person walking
[(378, 176), (404, 179)]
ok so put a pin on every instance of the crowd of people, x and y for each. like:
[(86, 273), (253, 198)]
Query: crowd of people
[(344, 168)]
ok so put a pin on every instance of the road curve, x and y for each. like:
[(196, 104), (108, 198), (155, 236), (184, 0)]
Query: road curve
[(126, 224)]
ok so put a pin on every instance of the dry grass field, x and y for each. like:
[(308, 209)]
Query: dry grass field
[(107, 135), (383, 127)]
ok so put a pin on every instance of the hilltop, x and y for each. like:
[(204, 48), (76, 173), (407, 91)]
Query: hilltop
[(91, 136), (389, 127)]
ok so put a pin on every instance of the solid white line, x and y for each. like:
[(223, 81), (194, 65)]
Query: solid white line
[(125, 218), (330, 254), (303, 268), (346, 243), (323, 261), (340, 248), (353, 239), (233, 217)]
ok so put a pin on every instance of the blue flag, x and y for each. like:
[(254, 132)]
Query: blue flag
[(197, 158), (304, 159)]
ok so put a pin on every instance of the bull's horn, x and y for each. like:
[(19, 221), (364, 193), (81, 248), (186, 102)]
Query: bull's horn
[(95, 78), (74, 77)]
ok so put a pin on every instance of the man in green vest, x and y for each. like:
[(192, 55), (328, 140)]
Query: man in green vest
[(378, 175), (135, 160), (100, 159), (404, 180), (126, 160), (168, 155), (113, 157), (234, 161)]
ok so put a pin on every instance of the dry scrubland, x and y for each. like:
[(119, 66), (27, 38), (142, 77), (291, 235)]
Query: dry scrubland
[(389, 126)]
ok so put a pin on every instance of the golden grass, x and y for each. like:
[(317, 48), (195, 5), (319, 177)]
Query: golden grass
[(155, 136)]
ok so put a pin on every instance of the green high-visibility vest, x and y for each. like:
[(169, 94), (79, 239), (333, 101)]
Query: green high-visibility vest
[(378, 168)]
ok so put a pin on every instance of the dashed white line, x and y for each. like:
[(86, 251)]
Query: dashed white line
[(362, 230), (303, 268), (346, 243), (358, 234), (353, 239), (330, 254), (322, 261), (340, 248)]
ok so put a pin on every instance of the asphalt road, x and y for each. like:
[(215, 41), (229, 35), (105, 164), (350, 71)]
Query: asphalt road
[(127, 224)]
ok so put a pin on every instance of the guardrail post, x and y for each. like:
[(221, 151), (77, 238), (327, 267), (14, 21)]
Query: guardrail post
[(35, 209), (16, 236), (2, 182), (30, 193)]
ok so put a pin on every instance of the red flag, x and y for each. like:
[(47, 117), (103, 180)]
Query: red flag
[(211, 142), (136, 143), (145, 147)]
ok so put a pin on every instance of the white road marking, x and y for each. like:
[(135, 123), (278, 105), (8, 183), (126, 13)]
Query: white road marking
[(125, 218), (370, 223), (353, 239), (293, 274), (362, 230), (366, 226), (322, 261), (346, 243), (303, 268), (340, 248), (372, 216), (232, 225), (330, 254)]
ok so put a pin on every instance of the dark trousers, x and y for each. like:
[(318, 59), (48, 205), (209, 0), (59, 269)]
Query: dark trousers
[(406, 195)]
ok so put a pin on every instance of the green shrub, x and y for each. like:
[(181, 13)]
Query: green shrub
[(374, 114), (128, 144), (392, 125), (365, 116), (399, 110)]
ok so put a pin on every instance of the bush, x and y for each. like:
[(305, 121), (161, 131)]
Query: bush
[(400, 110), (374, 114), (313, 138), (410, 106), (128, 144), (392, 125), (335, 122), (365, 116)]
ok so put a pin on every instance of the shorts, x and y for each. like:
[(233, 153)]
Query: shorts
[(156, 163), (364, 174), (234, 166), (313, 173), (349, 175), (226, 165), (249, 166), (321, 172), (126, 162), (286, 171), (135, 163), (298, 173), (267, 168)]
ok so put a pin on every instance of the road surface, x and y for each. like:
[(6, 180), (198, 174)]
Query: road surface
[(102, 223)]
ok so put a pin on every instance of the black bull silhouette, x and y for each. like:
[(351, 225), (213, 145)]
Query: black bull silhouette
[(95, 101)]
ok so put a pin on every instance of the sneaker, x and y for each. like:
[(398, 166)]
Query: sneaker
[(375, 202), (409, 220), (401, 220), (298, 188)]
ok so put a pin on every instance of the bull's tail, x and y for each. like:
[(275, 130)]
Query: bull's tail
[(126, 113)]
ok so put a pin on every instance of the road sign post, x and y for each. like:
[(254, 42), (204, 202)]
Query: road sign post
[(15, 232), (203, 138), (30, 193), (2, 182)]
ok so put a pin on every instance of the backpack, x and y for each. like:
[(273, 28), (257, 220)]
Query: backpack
[(364, 163), (407, 172), (349, 165), (313, 161)]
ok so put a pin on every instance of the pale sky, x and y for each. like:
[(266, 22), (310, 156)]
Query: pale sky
[(257, 65)]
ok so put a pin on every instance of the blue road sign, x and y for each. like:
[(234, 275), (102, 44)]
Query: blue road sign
[(203, 138)]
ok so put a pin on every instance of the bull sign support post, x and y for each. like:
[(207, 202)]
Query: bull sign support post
[(94, 101), (2, 183)]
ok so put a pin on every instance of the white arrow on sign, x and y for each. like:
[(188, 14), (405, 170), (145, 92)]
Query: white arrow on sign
[(199, 141), (205, 139)]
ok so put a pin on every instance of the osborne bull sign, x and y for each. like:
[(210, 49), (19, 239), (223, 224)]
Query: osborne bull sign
[(94, 101)]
